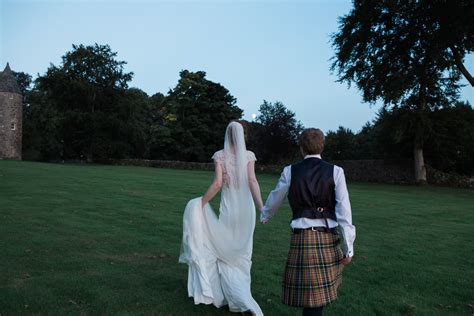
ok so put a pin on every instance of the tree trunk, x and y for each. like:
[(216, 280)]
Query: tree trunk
[(420, 169)]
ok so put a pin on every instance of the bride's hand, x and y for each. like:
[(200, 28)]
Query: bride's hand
[(263, 220)]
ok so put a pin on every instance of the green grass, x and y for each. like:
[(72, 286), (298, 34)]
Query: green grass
[(94, 240)]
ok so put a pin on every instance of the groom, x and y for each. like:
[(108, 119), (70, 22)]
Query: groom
[(321, 218)]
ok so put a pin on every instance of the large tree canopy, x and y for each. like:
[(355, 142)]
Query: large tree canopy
[(198, 111), (83, 109), (406, 54), (80, 102), (274, 136)]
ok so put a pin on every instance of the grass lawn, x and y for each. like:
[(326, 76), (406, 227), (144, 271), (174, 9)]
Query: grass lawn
[(90, 240)]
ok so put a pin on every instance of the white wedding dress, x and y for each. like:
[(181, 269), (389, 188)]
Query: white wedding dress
[(218, 250)]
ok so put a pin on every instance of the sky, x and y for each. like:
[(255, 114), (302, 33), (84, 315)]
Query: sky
[(259, 50)]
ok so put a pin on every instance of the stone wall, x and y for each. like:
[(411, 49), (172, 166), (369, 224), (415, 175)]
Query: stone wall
[(157, 163), (11, 121), (448, 179), (381, 171)]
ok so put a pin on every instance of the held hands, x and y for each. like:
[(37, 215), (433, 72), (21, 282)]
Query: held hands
[(346, 260), (263, 219)]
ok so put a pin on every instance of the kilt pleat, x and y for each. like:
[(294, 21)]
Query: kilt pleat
[(313, 269)]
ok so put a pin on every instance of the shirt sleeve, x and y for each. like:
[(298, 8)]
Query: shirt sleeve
[(344, 212), (276, 197)]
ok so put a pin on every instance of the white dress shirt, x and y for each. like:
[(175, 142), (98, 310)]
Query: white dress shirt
[(343, 207)]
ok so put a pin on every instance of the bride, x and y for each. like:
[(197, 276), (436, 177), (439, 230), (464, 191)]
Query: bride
[(218, 250)]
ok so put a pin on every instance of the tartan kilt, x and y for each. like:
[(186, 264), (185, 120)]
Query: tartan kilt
[(313, 271)]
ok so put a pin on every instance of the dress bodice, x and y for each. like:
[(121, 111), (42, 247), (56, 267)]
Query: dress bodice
[(219, 157)]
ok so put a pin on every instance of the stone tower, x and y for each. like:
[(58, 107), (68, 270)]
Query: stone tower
[(11, 115)]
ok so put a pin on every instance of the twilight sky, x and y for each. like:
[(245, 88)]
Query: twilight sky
[(261, 49)]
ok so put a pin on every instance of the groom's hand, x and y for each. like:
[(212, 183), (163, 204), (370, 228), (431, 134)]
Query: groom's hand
[(346, 260), (263, 220)]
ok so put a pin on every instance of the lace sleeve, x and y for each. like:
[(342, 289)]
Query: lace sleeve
[(251, 156), (218, 157)]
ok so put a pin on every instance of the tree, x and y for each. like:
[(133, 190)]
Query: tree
[(367, 147), (127, 127), (340, 145), (448, 138), (198, 111), (276, 136), (450, 144), (41, 126), (85, 97), (407, 54), (393, 132), (24, 81), (158, 122)]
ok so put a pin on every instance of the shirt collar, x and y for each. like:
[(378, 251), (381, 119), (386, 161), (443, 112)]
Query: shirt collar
[(312, 156)]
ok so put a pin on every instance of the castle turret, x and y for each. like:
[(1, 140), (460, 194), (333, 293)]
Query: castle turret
[(11, 115)]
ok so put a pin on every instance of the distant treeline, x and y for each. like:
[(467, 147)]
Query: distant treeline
[(448, 138), (84, 109)]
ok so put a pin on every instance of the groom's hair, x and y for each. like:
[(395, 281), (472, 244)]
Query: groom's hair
[(312, 141)]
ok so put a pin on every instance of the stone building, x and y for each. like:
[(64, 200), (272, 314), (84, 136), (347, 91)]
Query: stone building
[(11, 115)]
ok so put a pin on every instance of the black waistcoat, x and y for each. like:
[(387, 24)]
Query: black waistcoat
[(311, 192)]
